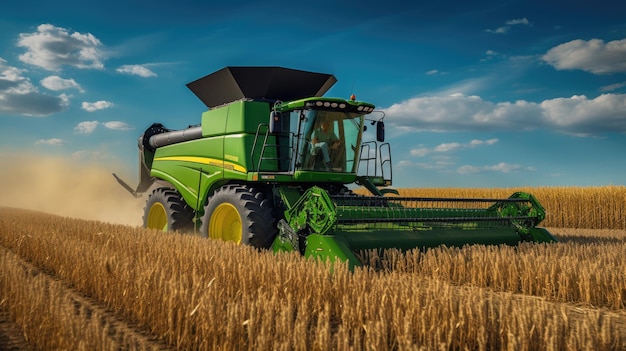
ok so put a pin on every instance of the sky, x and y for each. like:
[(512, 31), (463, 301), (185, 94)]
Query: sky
[(475, 94)]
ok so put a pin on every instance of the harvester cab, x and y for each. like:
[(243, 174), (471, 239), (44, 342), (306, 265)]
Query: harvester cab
[(270, 165)]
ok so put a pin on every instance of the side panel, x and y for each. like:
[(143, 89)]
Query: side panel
[(224, 153), (214, 121), (245, 116), (237, 156), (183, 164)]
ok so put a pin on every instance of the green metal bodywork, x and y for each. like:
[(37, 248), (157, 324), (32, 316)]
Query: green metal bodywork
[(338, 227), (197, 167), (236, 146), (229, 151)]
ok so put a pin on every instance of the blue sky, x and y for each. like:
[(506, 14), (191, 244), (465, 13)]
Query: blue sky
[(475, 94)]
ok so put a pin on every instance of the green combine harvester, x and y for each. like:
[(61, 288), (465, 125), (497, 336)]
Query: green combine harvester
[(270, 164)]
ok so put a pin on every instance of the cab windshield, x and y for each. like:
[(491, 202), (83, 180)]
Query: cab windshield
[(328, 140)]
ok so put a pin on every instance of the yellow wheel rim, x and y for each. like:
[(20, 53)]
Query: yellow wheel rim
[(157, 217), (225, 223)]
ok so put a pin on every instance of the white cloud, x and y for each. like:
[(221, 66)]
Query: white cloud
[(137, 70), (52, 47), (12, 80), (501, 167), (612, 87), (117, 125), (450, 147), (57, 83), (86, 127), (436, 72), (593, 56), (468, 169), (513, 22), (52, 141), (459, 112), (439, 163), (95, 106), (576, 115), (21, 97), (447, 147), (421, 151), (583, 116), (482, 142), (491, 55), (499, 30), (508, 24)]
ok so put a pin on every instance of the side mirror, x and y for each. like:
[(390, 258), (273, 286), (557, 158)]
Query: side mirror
[(276, 122), (380, 131)]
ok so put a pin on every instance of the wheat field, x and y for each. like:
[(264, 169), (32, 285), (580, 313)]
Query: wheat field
[(601, 207), (102, 286)]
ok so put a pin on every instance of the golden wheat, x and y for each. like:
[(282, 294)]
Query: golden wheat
[(54, 318), (602, 207), (193, 293)]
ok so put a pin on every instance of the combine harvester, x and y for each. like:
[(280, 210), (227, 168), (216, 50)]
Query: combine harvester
[(269, 167)]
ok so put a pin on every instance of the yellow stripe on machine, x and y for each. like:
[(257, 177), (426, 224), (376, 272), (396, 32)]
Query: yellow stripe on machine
[(205, 161)]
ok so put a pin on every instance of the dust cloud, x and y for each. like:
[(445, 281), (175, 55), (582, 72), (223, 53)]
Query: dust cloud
[(68, 188)]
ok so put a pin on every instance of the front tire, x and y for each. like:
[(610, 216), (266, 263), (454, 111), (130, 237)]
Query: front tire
[(166, 210), (241, 214)]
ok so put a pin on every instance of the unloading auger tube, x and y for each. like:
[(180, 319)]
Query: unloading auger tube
[(152, 138), (325, 226)]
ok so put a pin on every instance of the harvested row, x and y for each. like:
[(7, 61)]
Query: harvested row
[(11, 335), (198, 294), (53, 317)]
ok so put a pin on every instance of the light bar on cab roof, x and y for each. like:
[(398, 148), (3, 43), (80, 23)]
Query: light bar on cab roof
[(338, 105)]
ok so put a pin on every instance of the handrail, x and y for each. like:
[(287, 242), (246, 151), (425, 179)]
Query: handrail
[(266, 145)]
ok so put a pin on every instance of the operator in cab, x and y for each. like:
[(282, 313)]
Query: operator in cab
[(325, 141)]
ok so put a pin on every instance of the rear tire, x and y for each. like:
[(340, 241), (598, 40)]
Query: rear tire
[(166, 210), (241, 214)]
